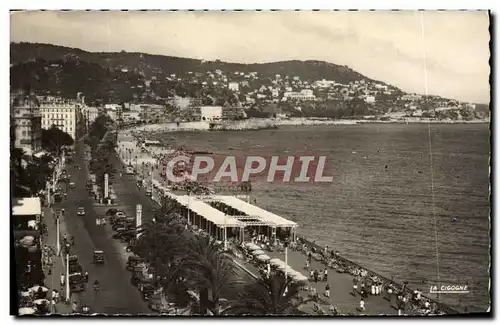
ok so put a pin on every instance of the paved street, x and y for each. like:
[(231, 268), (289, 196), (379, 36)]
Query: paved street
[(117, 295)]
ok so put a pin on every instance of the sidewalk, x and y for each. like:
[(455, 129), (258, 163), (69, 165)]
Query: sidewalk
[(52, 280)]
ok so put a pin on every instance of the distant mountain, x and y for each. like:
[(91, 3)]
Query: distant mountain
[(159, 64)]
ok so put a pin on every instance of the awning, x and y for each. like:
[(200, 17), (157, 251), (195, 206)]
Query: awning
[(255, 248), (263, 258), (26, 311), (276, 262)]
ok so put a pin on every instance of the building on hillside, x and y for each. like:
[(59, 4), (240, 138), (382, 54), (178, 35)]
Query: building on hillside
[(234, 86), (26, 121), (370, 99), (211, 113), (324, 83), (65, 115), (411, 97), (305, 94)]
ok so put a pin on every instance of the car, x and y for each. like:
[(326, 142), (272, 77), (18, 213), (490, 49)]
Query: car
[(80, 211), (120, 214), (72, 185), (98, 257)]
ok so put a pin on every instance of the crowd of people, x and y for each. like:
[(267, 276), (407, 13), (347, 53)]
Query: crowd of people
[(366, 283)]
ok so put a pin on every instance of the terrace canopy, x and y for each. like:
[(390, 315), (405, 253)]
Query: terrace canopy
[(227, 216)]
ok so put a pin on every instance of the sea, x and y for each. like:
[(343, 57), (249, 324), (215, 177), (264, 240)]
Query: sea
[(407, 201)]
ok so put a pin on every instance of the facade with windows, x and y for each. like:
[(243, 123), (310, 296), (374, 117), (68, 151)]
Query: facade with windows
[(26, 123), (64, 115)]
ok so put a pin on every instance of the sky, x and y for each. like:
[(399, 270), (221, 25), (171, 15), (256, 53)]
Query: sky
[(442, 53)]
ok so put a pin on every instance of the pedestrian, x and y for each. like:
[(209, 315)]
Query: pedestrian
[(362, 305), (74, 306), (354, 289), (325, 275), (389, 294), (327, 290), (86, 277), (62, 280)]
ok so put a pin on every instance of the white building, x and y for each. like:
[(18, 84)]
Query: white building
[(324, 83), (304, 94), (26, 120), (370, 99), (90, 114), (234, 86), (112, 107), (211, 113), (64, 115), (411, 97)]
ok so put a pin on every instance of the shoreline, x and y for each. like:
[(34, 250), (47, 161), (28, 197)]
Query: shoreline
[(266, 124)]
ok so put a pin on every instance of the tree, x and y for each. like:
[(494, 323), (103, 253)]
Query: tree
[(210, 271), (267, 296)]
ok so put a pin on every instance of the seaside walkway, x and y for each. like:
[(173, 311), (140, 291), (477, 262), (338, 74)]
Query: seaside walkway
[(340, 288)]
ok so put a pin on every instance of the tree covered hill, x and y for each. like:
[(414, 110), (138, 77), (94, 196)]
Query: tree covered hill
[(151, 65)]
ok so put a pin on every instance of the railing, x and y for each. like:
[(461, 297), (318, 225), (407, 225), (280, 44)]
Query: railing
[(441, 306)]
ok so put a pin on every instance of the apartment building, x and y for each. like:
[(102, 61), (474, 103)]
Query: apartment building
[(65, 115), (26, 121)]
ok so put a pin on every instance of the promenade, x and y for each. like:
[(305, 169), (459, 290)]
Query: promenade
[(341, 284)]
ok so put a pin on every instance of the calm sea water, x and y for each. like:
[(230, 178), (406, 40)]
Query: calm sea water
[(393, 220)]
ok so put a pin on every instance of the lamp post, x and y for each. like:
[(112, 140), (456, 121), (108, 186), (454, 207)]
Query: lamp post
[(225, 232), (286, 260), (67, 277), (58, 243)]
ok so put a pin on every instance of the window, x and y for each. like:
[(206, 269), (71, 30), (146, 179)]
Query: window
[(23, 133)]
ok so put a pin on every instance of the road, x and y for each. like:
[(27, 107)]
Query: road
[(117, 295), (129, 195)]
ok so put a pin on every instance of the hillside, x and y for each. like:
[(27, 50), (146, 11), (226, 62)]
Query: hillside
[(166, 65)]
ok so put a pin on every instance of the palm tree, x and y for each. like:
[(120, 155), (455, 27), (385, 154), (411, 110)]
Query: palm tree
[(268, 296), (210, 272)]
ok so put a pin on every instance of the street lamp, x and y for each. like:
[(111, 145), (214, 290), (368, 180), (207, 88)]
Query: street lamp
[(286, 259)]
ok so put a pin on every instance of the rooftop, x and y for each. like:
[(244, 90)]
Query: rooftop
[(247, 215), (26, 206)]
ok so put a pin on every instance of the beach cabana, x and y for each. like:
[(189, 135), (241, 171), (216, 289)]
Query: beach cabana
[(276, 262), (253, 247)]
